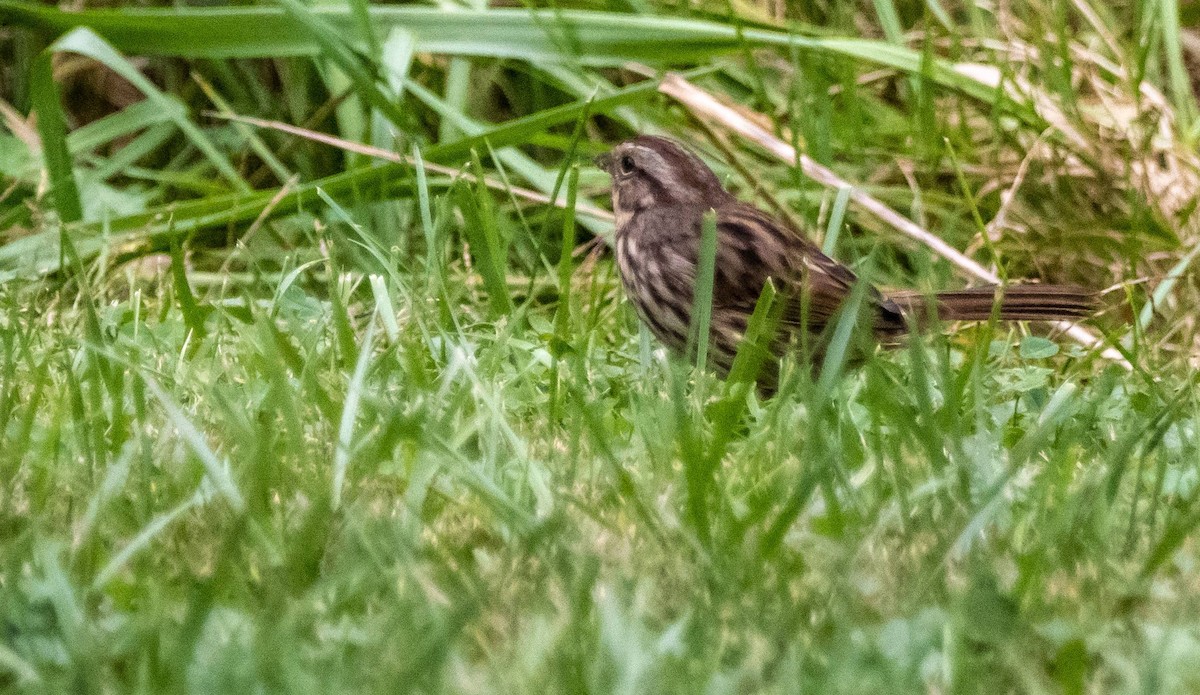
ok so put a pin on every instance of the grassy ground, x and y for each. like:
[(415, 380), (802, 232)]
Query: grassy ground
[(282, 417)]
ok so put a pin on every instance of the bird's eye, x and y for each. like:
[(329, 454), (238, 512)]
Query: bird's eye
[(626, 164)]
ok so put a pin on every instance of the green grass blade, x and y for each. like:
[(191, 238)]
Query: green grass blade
[(889, 19), (53, 130), (487, 243), (841, 341), (144, 537), (837, 216), (562, 313), (354, 392), (193, 317), (755, 349), (127, 121), (1180, 77), (699, 333)]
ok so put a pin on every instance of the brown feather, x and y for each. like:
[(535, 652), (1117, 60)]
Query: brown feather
[(1021, 302)]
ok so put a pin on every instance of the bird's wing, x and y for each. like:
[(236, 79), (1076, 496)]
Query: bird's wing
[(754, 247)]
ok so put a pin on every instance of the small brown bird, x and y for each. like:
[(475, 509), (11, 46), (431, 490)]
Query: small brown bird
[(660, 193)]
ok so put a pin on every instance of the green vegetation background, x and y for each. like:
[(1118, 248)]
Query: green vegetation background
[(281, 416)]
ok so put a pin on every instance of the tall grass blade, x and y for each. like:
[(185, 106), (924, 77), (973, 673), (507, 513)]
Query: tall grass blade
[(700, 332), (562, 313), (837, 216), (52, 128), (345, 442)]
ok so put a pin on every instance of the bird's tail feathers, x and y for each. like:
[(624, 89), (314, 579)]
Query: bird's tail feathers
[(1029, 302)]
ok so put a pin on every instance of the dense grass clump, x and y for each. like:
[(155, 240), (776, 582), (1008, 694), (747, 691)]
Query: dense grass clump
[(316, 374)]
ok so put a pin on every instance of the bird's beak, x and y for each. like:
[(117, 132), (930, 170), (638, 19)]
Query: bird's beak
[(603, 161)]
